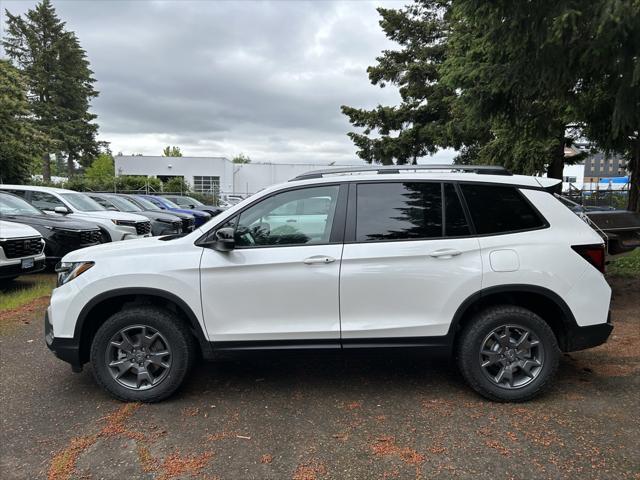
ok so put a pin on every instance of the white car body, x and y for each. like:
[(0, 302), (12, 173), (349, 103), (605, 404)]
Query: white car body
[(12, 265), (347, 293), (277, 277), (103, 218)]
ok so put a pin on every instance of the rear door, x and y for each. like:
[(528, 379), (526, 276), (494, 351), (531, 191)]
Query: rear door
[(408, 263)]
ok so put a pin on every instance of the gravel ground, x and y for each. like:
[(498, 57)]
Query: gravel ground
[(322, 416)]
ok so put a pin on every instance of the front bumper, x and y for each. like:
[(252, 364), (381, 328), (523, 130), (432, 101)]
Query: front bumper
[(66, 349), (581, 338), (15, 269)]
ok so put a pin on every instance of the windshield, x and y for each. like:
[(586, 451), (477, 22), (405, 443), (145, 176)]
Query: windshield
[(10, 205), (123, 204), (167, 203), (186, 201), (144, 203), (82, 202)]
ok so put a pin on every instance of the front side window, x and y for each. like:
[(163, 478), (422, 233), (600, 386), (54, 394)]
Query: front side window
[(398, 211), (282, 219), (499, 209), (46, 201)]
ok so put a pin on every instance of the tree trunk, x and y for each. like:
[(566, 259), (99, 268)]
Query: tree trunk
[(634, 182), (46, 167), (556, 165), (70, 165)]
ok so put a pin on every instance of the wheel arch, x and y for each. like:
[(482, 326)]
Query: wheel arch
[(540, 300), (102, 306)]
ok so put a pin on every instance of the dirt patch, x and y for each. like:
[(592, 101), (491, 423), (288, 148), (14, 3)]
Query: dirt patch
[(24, 315), (63, 464)]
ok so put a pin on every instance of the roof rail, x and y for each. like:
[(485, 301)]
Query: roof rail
[(385, 169)]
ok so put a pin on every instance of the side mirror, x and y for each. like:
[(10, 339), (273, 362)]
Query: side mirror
[(225, 240), (61, 210)]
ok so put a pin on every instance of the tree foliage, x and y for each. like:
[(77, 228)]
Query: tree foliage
[(20, 140), (59, 81), (170, 151), (241, 158), (506, 83), (101, 168)]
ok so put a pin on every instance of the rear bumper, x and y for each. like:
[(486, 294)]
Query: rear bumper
[(66, 349), (581, 338)]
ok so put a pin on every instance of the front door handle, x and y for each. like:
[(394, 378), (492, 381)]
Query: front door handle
[(319, 259), (445, 253)]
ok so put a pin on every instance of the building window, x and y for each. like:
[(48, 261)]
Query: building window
[(569, 179), (207, 185)]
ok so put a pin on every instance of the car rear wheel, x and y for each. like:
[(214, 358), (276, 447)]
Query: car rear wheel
[(508, 354), (142, 353)]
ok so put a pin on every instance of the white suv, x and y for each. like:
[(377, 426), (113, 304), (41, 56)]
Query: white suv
[(21, 250), (114, 225), (469, 261)]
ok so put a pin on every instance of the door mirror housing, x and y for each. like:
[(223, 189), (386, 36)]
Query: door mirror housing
[(61, 210), (224, 239)]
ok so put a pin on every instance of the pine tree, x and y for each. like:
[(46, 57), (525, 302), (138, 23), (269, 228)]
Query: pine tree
[(20, 140), (59, 80), (401, 134)]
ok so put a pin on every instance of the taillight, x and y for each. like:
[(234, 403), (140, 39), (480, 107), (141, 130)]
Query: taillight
[(594, 254)]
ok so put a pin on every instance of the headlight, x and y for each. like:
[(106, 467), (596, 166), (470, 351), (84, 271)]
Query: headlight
[(67, 271), (126, 223)]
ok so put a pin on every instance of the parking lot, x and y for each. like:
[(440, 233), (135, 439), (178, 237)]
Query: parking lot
[(322, 416)]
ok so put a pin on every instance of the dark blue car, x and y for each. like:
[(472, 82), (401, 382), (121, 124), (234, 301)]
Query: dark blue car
[(200, 216)]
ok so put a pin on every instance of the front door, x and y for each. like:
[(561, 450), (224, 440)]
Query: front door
[(281, 281), (409, 264)]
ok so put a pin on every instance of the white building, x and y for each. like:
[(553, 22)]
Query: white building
[(216, 174)]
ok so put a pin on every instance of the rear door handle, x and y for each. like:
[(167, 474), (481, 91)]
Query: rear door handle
[(445, 253), (319, 259)]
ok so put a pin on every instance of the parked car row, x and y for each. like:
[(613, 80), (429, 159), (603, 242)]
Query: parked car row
[(39, 225)]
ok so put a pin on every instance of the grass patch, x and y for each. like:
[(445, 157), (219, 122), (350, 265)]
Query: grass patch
[(626, 266), (25, 289)]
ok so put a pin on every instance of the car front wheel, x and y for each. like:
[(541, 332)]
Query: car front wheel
[(142, 353), (508, 354)]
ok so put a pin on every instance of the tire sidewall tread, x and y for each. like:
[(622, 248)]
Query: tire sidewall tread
[(474, 333), (181, 340)]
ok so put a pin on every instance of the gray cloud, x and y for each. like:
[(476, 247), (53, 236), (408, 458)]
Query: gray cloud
[(218, 78)]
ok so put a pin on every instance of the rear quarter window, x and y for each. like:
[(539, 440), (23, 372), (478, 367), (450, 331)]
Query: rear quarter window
[(500, 209)]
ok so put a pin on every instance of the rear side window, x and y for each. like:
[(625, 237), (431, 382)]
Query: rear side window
[(398, 211), (498, 209), (455, 222)]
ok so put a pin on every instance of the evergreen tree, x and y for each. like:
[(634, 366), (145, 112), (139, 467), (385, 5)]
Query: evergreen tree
[(59, 80), (20, 140), (418, 126)]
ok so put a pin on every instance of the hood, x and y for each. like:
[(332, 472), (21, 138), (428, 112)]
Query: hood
[(110, 215), (173, 213), (51, 221), (195, 213), (166, 216), (129, 248), (16, 230)]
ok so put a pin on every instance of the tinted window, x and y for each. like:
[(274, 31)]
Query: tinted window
[(397, 211), (454, 219), (45, 201), (496, 209), (282, 219)]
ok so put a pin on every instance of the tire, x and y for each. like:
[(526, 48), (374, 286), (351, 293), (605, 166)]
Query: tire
[(493, 364), (121, 369)]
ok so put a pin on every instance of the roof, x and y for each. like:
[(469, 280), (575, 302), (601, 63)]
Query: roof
[(38, 187), (481, 174)]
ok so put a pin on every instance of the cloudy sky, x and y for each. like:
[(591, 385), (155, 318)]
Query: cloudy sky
[(222, 77)]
